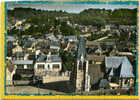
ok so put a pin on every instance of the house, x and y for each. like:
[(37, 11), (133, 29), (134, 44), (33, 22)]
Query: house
[(23, 64), (55, 47), (54, 63), (18, 56), (114, 51), (17, 49), (54, 39), (19, 23), (94, 28), (29, 44), (59, 36), (70, 38), (46, 64), (106, 28), (27, 26), (51, 37), (98, 51), (119, 70), (22, 68), (39, 67)]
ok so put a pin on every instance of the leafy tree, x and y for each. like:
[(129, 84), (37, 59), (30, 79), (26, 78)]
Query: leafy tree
[(68, 60), (66, 29)]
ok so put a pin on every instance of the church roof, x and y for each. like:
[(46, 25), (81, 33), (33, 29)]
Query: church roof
[(120, 66)]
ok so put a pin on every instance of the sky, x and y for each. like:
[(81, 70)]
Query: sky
[(71, 8)]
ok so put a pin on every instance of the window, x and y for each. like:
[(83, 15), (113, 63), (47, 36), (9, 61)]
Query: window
[(56, 66), (40, 66), (30, 67), (20, 66), (48, 66)]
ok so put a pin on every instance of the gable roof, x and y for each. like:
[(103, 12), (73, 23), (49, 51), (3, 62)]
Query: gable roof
[(119, 65), (41, 58), (126, 69), (113, 62)]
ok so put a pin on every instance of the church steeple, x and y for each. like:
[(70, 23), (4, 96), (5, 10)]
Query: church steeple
[(80, 78), (81, 53)]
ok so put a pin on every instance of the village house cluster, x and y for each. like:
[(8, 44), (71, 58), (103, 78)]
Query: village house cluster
[(98, 64)]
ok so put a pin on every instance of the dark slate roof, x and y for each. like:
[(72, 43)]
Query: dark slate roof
[(28, 44), (22, 62), (81, 48), (55, 58), (41, 58), (120, 66)]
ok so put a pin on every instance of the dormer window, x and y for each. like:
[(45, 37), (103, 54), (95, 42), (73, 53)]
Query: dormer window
[(49, 57)]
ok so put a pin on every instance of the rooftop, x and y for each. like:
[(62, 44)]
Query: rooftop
[(22, 62), (120, 66), (95, 57)]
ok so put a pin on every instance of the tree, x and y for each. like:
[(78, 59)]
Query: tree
[(66, 29), (68, 61)]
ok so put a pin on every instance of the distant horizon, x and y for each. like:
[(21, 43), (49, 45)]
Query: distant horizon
[(70, 8)]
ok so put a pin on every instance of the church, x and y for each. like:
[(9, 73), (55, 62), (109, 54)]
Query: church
[(80, 79)]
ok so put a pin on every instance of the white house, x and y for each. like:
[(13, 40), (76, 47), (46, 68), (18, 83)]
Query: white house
[(49, 63)]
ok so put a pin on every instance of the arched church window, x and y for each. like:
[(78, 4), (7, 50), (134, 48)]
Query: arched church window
[(80, 65)]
